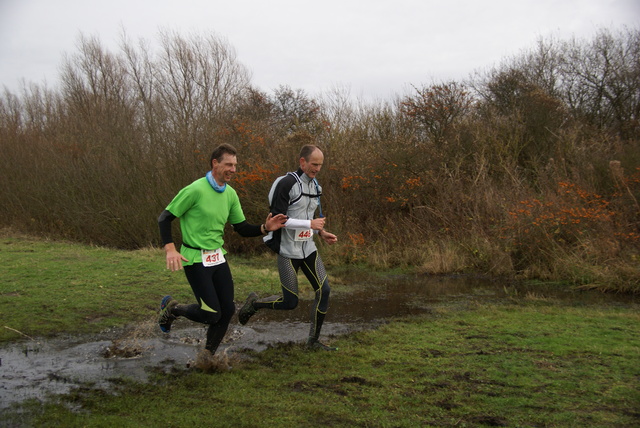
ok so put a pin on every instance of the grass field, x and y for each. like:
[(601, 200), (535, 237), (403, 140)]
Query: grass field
[(520, 363)]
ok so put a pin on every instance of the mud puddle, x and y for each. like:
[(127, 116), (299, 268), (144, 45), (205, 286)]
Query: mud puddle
[(36, 368)]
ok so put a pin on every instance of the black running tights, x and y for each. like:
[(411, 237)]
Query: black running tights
[(213, 289)]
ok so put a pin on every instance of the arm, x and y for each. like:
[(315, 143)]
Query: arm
[(247, 230), (164, 223), (328, 237), (173, 256), (280, 205), (315, 224), (250, 230)]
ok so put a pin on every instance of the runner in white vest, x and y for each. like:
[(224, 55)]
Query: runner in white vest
[(297, 195)]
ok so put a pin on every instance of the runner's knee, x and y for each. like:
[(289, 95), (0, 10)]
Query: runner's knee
[(289, 302), (209, 317)]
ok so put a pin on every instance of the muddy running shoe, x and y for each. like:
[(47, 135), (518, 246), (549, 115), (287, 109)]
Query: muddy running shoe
[(314, 344), (166, 318), (247, 309)]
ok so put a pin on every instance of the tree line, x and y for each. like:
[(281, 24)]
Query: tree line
[(529, 169)]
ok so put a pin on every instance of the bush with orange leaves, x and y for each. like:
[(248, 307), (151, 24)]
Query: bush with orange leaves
[(352, 250), (572, 221)]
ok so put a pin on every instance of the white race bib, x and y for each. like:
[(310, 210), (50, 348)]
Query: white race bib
[(212, 257), (303, 235)]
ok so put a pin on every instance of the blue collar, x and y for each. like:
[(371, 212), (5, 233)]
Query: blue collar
[(212, 181)]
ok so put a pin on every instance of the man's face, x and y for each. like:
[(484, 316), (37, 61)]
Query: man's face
[(313, 166), (223, 171)]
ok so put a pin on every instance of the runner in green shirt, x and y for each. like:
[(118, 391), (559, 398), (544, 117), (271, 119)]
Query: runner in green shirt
[(204, 207)]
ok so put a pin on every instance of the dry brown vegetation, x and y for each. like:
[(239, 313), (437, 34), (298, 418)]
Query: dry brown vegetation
[(530, 169)]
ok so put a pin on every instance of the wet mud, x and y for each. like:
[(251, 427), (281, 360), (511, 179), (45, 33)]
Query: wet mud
[(37, 368)]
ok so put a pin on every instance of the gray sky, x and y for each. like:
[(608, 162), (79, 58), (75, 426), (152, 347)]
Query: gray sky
[(373, 48)]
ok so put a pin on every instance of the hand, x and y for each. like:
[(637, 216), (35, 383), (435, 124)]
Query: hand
[(317, 223), (328, 237), (275, 222), (174, 258)]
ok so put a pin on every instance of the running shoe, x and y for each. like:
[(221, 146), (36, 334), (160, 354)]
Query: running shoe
[(166, 318), (247, 309), (314, 344)]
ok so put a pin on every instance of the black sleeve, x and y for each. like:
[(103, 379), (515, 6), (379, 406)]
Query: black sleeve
[(247, 230), (280, 202), (164, 223)]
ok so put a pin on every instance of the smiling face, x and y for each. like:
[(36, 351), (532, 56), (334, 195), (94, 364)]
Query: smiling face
[(224, 169), (313, 165)]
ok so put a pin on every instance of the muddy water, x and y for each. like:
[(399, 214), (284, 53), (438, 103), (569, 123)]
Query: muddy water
[(37, 368)]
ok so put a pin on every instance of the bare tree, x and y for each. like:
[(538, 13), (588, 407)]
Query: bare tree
[(602, 80), (197, 78)]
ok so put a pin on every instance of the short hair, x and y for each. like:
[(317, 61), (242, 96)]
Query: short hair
[(220, 151), (306, 151)]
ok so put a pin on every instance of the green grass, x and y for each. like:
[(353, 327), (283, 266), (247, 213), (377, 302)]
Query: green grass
[(518, 363), (49, 287), (61, 287)]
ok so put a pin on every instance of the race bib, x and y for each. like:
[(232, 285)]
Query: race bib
[(212, 257), (304, 235)]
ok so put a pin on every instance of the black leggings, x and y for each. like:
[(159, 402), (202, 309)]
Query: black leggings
[(314, 270), (213, 289)]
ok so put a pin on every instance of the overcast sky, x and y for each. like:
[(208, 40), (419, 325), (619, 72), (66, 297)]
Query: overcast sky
[(374, 48)]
